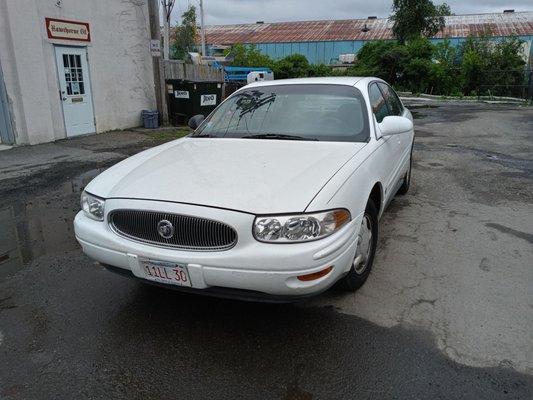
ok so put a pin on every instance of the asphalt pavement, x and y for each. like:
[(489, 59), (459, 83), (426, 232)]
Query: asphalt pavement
[(446, 313)]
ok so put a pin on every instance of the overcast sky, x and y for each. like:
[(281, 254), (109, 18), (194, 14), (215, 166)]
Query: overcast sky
[(249, 11)]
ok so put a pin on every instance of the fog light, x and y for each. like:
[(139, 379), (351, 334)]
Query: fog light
[(314, 275)]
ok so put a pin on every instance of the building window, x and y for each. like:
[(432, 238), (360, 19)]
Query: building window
[(73, 74)]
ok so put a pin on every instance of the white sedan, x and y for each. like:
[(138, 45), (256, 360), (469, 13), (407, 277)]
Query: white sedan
[(276, 195)]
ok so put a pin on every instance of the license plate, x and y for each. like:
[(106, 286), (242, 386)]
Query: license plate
[(165, 272)]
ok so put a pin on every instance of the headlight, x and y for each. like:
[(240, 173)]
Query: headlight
[(299, 228), (92, 206)]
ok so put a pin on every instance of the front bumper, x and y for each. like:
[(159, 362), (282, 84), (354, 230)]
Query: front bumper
[(259, 268), (220, 292)]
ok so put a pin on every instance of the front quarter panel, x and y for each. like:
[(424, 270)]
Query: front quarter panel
[(350, 188)]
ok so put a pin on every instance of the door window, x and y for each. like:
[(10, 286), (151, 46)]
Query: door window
[(394, 103), (73, 74), (378, 103)]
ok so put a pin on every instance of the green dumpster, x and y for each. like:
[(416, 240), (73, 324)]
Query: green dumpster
[(187, 98)]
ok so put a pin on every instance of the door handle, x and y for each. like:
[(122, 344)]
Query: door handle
[(64, 98)]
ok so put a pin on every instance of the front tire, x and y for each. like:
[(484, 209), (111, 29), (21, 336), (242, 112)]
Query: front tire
[(367, 239)]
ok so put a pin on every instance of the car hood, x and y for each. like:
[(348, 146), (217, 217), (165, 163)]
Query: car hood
[(251, 175)]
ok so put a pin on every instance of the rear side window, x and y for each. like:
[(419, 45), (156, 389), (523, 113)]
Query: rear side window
[(394, 103), (378, 103)]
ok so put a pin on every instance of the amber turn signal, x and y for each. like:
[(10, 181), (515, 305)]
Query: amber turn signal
[(314, 275), (341, 217)]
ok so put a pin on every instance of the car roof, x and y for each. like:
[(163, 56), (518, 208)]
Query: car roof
[(332, 80)]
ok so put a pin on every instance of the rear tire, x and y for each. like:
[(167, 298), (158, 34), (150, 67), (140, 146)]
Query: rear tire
[(366, 250)]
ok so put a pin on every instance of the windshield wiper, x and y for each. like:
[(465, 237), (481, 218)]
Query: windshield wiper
[(277, 136)]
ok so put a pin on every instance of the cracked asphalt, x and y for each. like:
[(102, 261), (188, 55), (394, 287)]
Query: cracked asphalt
[(447, 312)]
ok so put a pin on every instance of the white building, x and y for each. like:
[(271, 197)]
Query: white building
[(72, 67)]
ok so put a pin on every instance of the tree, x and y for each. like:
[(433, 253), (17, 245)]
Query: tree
[(293, 66), (445, 53), (444, 76), (415, 18), (185, 34), (492, 65), (316, 70), (384, 59), (248, 56)]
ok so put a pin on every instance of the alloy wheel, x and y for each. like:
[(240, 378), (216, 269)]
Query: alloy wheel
[(364, 245)]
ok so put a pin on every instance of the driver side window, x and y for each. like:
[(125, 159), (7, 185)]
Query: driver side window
[(394, 103), (377, 102)]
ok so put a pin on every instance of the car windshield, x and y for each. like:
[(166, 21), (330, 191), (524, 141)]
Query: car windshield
[(291, 112)]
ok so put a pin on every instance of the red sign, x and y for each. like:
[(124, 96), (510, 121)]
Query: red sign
[(67, 30)]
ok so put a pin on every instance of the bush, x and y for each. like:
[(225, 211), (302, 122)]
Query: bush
[(417, 75), (441, 80), (293, 66), (420, 48), (404, 66), (380, 58), (249, 56), (492, 67), (320, 70), (479, 66), (444, 76)]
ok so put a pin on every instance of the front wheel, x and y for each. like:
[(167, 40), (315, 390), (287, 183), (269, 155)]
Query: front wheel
[(367, 239)]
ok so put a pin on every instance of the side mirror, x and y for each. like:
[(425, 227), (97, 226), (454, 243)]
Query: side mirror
[(393, 124), (195, 121)]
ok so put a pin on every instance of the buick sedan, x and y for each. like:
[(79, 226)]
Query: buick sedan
[(276, 196)]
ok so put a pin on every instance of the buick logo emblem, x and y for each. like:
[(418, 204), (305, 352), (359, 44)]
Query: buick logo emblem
[(165, 229)]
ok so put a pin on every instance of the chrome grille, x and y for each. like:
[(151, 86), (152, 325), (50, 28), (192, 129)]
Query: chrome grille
[(190, 233)]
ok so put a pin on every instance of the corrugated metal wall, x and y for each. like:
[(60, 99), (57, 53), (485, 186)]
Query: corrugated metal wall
[(457, 26), (316, 52), (328, 52)]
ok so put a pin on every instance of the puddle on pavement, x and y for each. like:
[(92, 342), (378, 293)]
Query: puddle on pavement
[(40, 224), (426, 164), (416, 106), (419, 114), (523, 164)]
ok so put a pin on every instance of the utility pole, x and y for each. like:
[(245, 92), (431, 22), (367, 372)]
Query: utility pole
[(168, 5), (159, 78), (202, 27)]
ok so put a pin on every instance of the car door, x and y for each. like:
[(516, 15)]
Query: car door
[(388, 154), (404, 139)]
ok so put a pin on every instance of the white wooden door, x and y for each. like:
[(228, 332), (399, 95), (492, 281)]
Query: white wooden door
[(75, 90), (6, 131)]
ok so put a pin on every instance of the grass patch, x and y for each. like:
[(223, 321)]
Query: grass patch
[(170, 134)]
